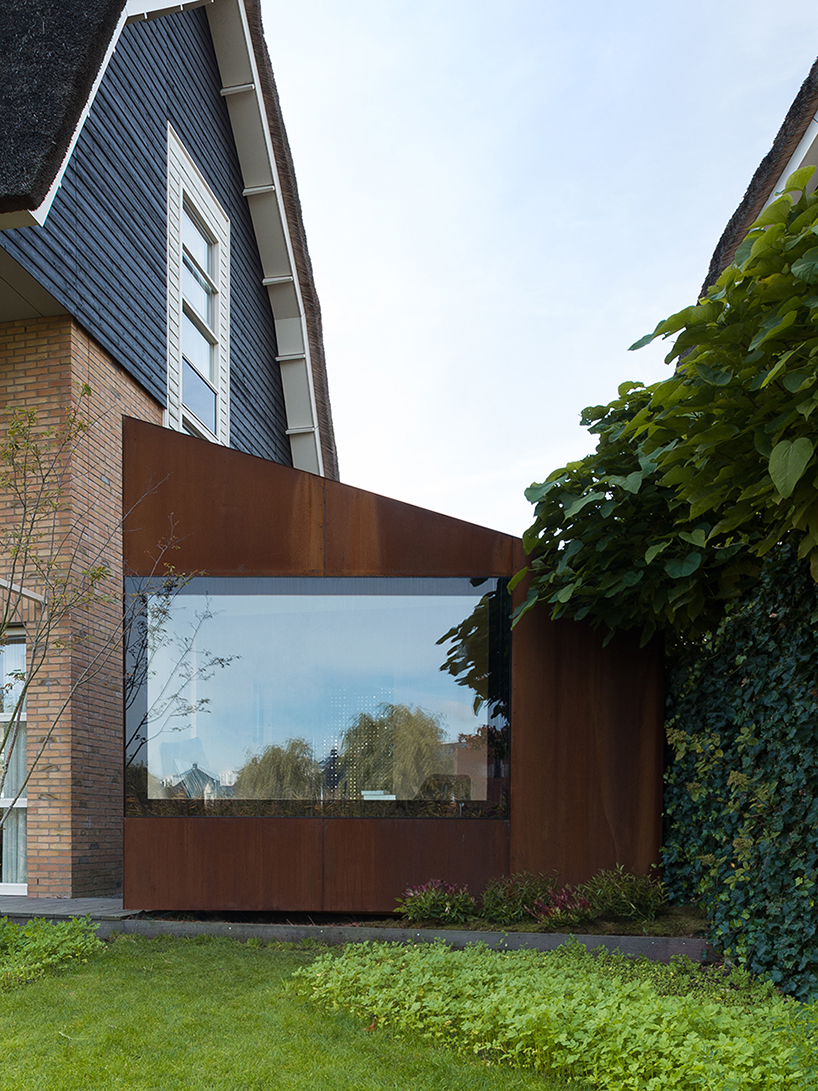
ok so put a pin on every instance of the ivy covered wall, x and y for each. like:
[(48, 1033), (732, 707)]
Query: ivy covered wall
[(741, 807)]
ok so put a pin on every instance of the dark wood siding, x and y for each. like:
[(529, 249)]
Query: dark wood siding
[(102, 250)]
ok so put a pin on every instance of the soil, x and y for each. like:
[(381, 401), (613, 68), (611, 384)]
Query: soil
[(676, 920)]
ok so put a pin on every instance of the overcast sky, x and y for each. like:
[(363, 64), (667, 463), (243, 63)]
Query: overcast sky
[(500, 198)]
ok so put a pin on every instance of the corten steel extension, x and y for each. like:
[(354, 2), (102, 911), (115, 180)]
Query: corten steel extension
[(586, 739)]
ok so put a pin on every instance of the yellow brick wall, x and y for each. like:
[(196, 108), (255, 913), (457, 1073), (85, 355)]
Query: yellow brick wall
[(75, 794)]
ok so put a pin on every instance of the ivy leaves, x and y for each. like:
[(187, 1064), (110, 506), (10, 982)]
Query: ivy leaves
[(697, 477), (741, 805)]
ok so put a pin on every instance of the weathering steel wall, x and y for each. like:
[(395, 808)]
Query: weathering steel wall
[(586, 737)]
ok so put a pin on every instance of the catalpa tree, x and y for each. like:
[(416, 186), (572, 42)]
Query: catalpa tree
[(695, 478)]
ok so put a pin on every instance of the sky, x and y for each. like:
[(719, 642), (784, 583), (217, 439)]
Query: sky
[(499, 199)]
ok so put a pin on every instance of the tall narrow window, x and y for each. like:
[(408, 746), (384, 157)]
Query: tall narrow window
[(198, 302), (199, 391), (13, 801)]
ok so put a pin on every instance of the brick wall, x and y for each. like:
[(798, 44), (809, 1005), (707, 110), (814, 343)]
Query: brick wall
[(75, 793)]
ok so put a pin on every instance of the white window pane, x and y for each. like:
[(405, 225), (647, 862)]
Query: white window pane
[(13, 847), (198, 397), (197, 292), (196, 348), (13, 760), (12, 667), (197, 245)]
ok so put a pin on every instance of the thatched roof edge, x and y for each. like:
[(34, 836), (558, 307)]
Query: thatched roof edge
[(52, 53), (795, 124)]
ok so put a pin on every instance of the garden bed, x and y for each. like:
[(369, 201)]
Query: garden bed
[(673, 921)]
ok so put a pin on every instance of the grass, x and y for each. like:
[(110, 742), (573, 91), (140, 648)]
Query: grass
[(210, 1013)]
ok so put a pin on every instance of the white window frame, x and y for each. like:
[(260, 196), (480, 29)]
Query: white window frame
[(16, 636), (188, 189)]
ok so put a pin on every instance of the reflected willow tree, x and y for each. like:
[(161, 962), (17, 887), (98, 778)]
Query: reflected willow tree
[(289, 771), (400, 751)]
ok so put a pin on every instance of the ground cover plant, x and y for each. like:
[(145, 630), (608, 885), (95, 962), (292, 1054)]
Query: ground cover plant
[(615, 1023), (212, 1014), (30, 950)]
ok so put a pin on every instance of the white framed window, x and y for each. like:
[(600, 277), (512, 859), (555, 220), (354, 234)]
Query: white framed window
[(198, 302), (13, 765)]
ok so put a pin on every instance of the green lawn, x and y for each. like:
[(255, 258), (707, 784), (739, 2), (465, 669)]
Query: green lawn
[(210, 1013)]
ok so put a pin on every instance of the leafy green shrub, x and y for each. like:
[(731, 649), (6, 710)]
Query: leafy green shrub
[(620, 893), (695, 478), (29, 950), (565, 906), (619, 1024), (506, 900), (437, 901)]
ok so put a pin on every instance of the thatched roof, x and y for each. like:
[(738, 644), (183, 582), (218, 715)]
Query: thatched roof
[(298, 237), (52, 51), (773, 164)]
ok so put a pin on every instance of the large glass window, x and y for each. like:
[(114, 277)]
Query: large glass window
[(351, 696), (13, 801)]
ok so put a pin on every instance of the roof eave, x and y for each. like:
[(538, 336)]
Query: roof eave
[(795, 143), (286, 273)]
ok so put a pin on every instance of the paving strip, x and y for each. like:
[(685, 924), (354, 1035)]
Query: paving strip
[(112, 919)]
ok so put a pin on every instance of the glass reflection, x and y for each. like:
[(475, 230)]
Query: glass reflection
[(318, 696)]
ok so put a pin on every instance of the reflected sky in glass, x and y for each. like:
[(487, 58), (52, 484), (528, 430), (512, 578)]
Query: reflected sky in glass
[(301, 665)]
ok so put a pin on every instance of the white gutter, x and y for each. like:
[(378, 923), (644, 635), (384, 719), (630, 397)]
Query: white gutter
[(241, 89), (806, 154)]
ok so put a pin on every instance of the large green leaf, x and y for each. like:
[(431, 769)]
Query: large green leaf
[(577, 505), (678, 569), (798, 179), (788, 461), (714, 376), (806, 267), (774, 325), (654, 551), (631, 483), (743, 251), (777, 212), (697, 537)]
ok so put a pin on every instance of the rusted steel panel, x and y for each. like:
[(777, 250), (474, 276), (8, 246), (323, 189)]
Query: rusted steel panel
[(223, 863), (368, 862), (586, 720), (229, 513), (586, 750), (371, 535)]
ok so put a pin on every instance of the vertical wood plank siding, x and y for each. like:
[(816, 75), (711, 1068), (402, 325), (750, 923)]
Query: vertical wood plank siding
[(102, 251)]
